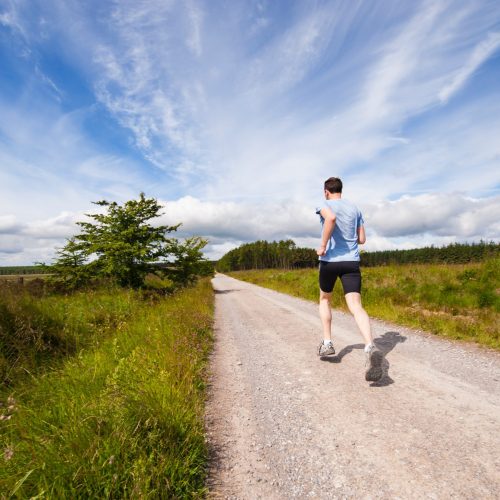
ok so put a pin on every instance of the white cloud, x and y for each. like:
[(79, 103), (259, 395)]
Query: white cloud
[(409, 222), (253, 117), (291, 56), (11, 248), (481, 52), (138, 82), (399, 68), (449, 215), (195, 16), (10, 19), (240, 221), (9, 224), (60, 227), (216, 251), (48, 164)]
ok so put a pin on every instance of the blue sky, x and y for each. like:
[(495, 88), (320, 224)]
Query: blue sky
[(234, 113)]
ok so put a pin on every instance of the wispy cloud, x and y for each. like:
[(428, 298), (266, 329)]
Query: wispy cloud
[(9, 19), (195, 16), (481, 53), (245, 107), (290, 57), (139, 82)]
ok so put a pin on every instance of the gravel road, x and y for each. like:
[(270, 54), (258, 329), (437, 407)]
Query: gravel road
[(283, 423)]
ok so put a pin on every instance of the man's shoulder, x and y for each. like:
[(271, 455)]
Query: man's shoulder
[(348, 204)]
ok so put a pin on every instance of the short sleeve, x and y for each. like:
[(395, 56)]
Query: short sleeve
[(322, 204), (361, 221), (319, 207)]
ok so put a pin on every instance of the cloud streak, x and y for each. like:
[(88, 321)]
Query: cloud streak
[(245, 108), (480, 54)]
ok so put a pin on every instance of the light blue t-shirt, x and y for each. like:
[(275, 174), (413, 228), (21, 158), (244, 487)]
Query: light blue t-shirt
[(343, 244)]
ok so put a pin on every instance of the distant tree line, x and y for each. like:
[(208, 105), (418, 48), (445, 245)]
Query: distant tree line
[(285, 254), (23, 270), (282, 254), (456, 253)]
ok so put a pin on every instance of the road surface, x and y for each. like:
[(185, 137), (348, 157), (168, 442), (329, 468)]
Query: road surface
[(283, 423)]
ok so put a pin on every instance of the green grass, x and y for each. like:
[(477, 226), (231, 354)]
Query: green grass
[(456, 301), (114, 407)]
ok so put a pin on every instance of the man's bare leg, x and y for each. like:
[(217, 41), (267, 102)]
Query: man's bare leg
[(353, 300), (374, 357), (325, 313)]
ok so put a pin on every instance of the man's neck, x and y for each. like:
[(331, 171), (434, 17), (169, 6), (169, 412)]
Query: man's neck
[(334, 196)]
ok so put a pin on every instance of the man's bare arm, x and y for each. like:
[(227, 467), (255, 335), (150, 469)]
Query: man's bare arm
[(328, 225), (361, 235)]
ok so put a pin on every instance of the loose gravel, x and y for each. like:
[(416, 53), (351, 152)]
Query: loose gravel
[(283, 423)]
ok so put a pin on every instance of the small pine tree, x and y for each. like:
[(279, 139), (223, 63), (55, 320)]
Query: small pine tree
[(71, 265), (123, 245)]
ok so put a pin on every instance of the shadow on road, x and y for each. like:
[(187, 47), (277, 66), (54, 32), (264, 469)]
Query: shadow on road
[(386, 343), (225, 291), (338, 357)]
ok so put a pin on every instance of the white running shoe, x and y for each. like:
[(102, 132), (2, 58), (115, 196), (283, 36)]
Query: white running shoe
[(326, 349)]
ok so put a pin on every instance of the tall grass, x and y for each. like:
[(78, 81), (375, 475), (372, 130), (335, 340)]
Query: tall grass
[(456, 301), (119, 413), (38, 330)]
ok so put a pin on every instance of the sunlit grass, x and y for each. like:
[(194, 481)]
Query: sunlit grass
[(120, 413), (456, 301)]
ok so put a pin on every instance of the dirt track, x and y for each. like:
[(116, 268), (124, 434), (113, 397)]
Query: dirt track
[(284, 424)]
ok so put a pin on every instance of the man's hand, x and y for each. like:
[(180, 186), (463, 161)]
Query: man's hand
[(321, 250)]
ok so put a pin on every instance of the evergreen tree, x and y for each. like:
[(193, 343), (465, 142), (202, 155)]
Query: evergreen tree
[(123, 245), (71, 265)]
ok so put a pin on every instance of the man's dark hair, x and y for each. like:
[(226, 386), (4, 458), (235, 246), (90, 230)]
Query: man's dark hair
[(333, 185)]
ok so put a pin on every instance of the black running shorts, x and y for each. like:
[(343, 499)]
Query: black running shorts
[(347, 271)]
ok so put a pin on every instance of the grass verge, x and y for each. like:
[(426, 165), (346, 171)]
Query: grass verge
[(119, 414), (456, 301)]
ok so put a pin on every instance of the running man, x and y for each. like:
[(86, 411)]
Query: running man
[(343, 229)]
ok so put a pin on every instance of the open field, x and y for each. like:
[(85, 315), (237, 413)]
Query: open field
[(26, 277), (457, 301), (103, 393)]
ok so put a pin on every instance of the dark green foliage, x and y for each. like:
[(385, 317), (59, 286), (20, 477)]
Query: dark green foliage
[(262, 255), (285, 255), (123, 246), (5, 270), (456, 253), (187, 260), (71, 265)]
